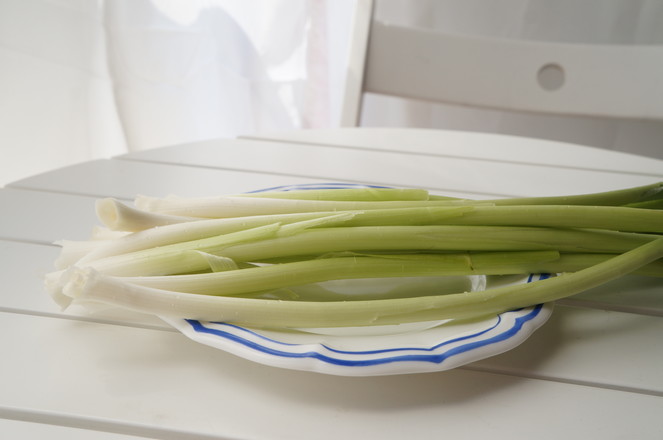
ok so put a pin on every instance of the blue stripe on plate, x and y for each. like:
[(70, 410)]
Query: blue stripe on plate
[(419, 357), (306, 186), (363, 352)]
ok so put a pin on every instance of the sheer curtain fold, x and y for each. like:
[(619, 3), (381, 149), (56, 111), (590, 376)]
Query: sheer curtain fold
[(191, 70), (83, 79), (201, 69)]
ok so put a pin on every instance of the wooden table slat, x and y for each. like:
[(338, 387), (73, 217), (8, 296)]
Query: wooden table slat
[(454, 176), (153, 378), (577, 344), (592, 371), (482, 146)]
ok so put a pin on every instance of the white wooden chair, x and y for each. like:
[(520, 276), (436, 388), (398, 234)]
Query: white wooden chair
[(617, 81)]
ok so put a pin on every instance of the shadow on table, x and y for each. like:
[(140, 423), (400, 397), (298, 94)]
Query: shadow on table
[(492, 378), (392, 392)]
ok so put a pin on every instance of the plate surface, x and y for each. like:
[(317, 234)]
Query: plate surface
[(442, 347), (371, 351)]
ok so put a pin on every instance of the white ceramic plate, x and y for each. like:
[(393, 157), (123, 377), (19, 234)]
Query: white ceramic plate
[(395, 351), (404, 349)]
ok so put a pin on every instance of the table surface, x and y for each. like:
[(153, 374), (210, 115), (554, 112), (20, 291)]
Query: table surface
[(594, 369)]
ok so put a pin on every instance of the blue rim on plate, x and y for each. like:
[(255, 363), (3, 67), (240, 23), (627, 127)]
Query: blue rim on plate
[(321, 185), (398, 350), (445, 347)]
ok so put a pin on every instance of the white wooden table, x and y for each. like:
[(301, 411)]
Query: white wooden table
[(594, 370)]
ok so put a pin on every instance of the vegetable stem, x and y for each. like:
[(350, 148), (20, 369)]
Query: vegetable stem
[(88, 284), (267, 259), (435, 238), (619, 197)]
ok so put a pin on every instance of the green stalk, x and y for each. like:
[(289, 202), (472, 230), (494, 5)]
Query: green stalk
[(576, 262), (178, 257), (507, 298), (619, 197), (436, 238), (615, 218), (240, 206), (276, 276), (192, 230), (121, 217), (649, 204), (160, 251), (564, 262), (276, 241), (87, 284), (267, 278), (345, 194)]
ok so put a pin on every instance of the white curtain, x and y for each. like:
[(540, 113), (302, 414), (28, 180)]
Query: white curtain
[(629, 22), (84, 79), (56, 99)]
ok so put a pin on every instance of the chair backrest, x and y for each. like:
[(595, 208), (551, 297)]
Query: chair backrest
[(620, 81)]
